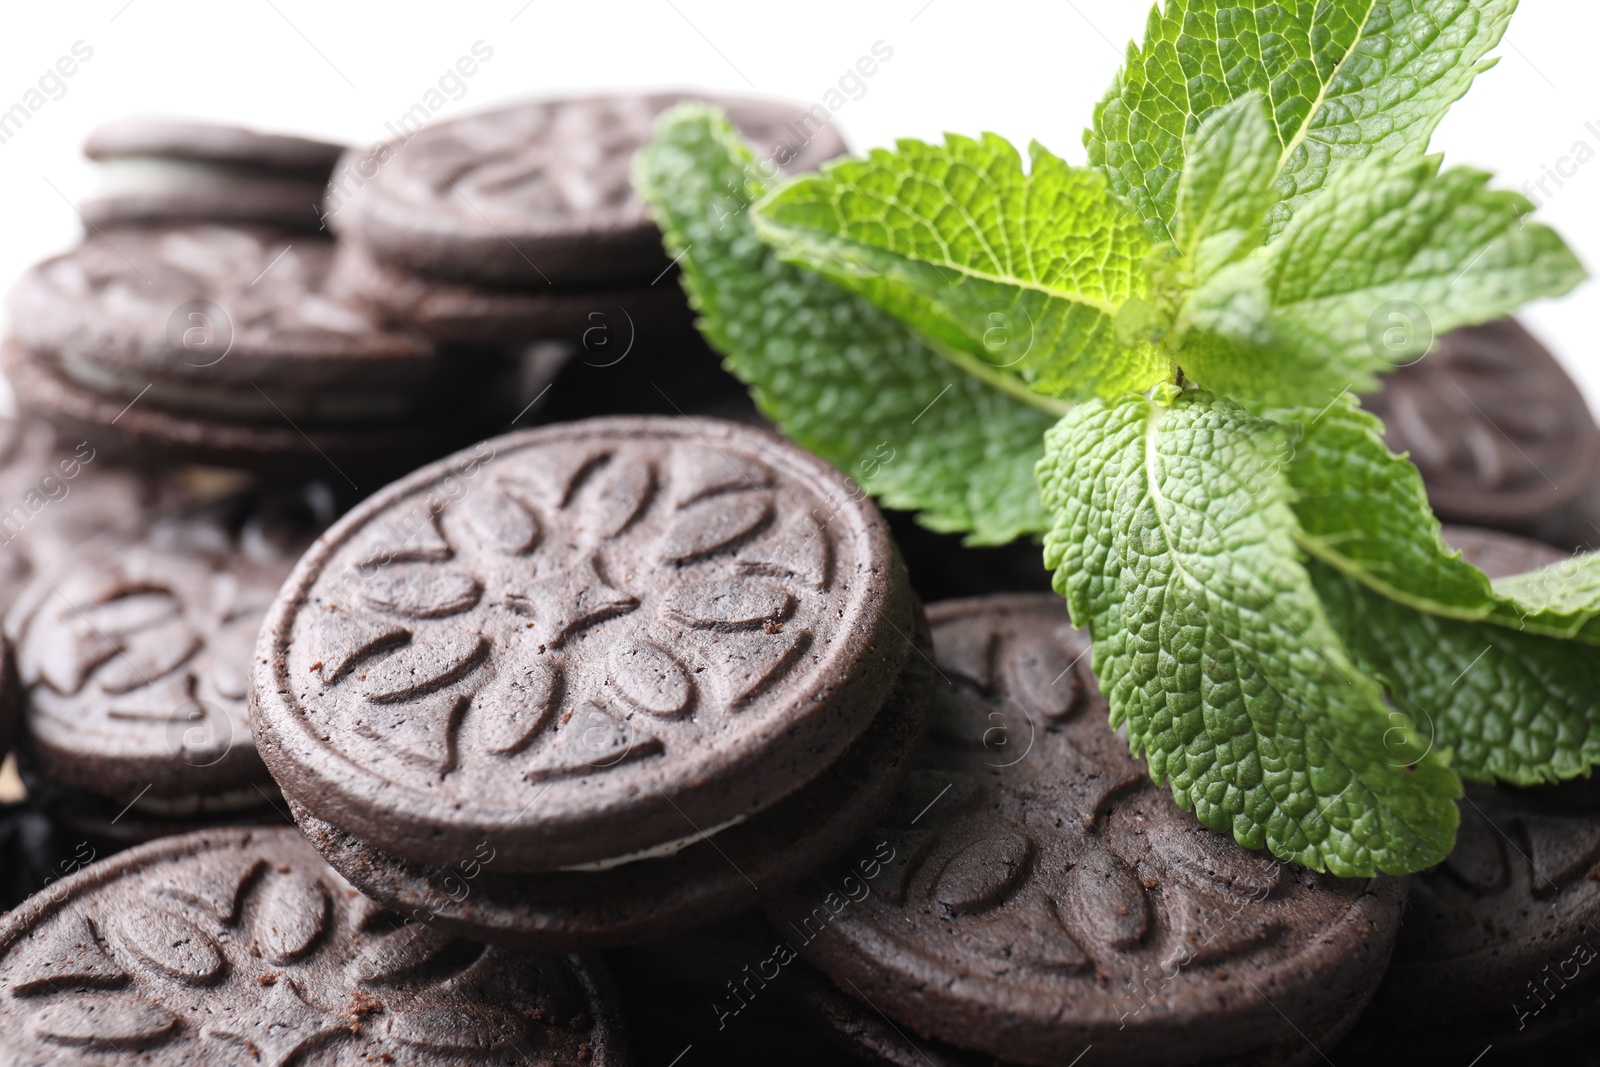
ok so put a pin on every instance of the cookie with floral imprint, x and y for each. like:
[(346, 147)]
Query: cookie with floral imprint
[(243, 947), (219, 344), (1500, 940), (1037, 894), (522, 223), (57, 492), (153, 169), (596, 682), (133, 657)]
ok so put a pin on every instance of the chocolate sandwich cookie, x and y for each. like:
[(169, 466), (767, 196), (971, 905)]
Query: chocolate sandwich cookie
[(55, 493), (218, 344), (243, 947), (539, 192), (613, 677), (1033, 893), (134, 659), (170, 170), (1500, 432), (1500, 944), (522, 224)]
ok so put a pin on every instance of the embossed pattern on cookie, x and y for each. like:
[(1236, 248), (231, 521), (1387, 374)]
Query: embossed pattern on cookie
[(1044, 894), (244, 947), (542, 191), (593, 636)]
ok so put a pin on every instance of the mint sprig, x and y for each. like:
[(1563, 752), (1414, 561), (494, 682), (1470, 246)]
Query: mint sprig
[(1174, 543), (841, 377), (1278, 625), (1017, 276), (1345, 79)]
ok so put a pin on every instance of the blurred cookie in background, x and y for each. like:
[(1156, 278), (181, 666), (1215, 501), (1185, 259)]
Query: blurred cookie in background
[(206, 343), (1500, 432), (522, 224), (171, 170)]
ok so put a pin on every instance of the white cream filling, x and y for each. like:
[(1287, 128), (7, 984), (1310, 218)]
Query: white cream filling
[(655, 852), (130, 175)]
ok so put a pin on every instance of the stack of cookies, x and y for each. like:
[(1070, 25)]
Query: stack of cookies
[(194, 323), (322, 770)]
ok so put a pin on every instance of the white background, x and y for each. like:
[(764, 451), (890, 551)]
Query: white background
[(1025, 70)]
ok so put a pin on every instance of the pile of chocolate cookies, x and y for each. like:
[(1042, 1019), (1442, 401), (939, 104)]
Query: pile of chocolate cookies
[(626, 736)]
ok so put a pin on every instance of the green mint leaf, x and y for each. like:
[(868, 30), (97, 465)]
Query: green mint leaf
[(1364, 512), (1561, 599), (1513, 707), (841, 377), (1385, 238), (1343, 78), (1017, 277), (1226, 192), (1173, 542), (1486, 672)]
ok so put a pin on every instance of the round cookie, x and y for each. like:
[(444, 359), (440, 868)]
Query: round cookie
[(653, 897), (539, 192), (243, 947), (165, 170), (1500, 432), (219, 343), (1037, 894), (58, 492), (581, 641), (134, 656), (1499, 943)]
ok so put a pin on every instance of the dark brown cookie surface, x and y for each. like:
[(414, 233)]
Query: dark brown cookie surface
[(60, 491), (139, 431), (134, 655), (1499, 944), (581, 641), (244, 947), (204, 311), (1042, 895), (1500, 432), (539, 192), (1500, 555), (719, 874)]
